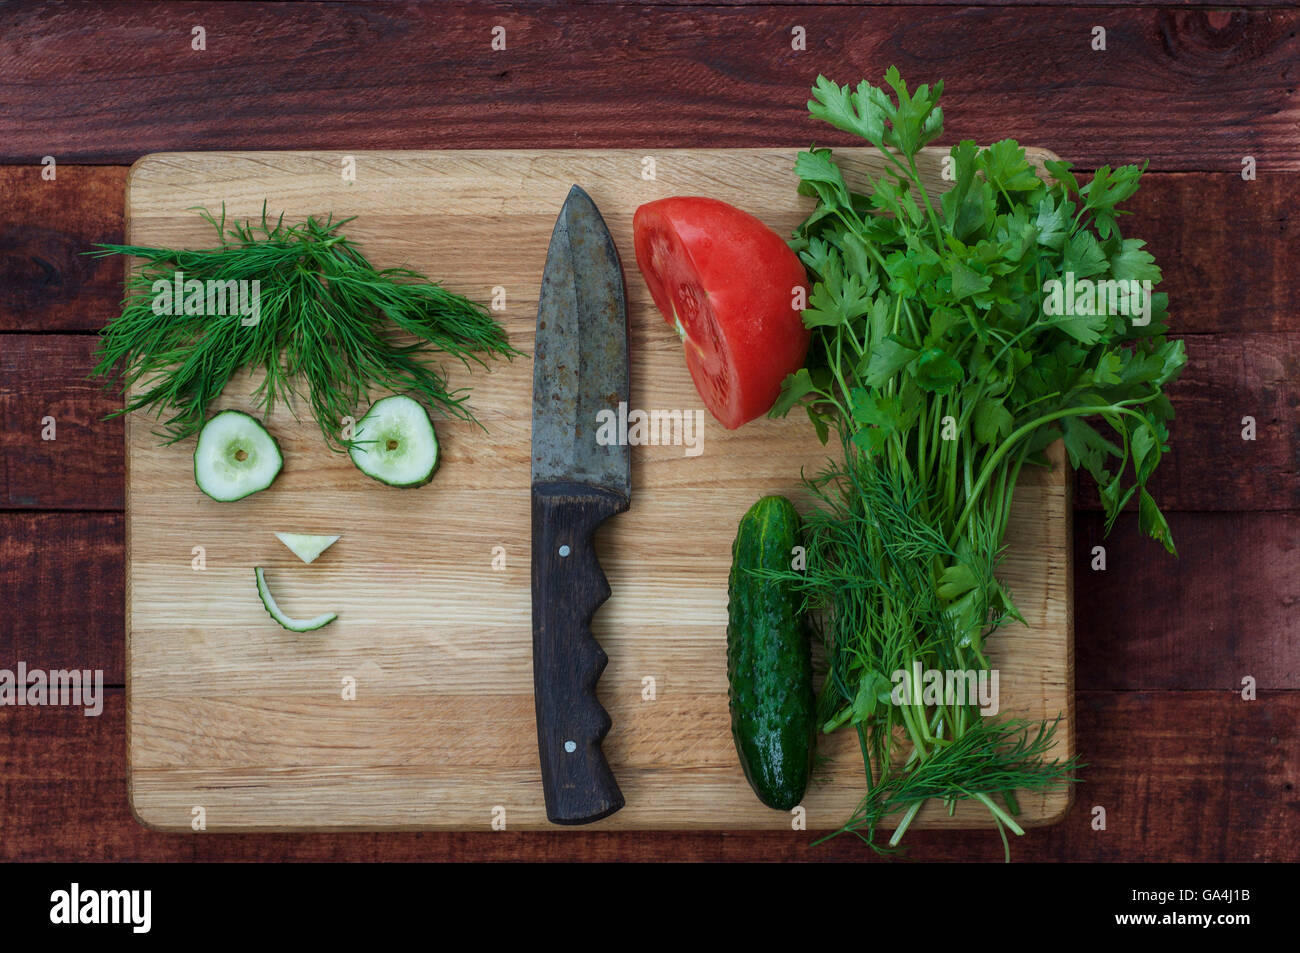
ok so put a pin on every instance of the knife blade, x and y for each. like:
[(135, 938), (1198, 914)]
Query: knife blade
[(580, 368)]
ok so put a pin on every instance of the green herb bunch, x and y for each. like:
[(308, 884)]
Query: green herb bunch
[(331, 323), (942, 364)]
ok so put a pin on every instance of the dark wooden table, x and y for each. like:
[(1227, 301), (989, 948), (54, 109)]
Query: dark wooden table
[(1185, 768)]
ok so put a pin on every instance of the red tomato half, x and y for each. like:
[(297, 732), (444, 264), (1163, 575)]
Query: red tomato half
[(727, 283)]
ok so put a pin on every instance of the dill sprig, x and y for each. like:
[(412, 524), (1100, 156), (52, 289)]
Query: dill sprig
[(992, 759), (870, 587), (330, 328)]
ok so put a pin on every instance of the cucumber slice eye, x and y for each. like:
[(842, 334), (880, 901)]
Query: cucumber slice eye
[(395, 443), (235, 456), (290, 623)]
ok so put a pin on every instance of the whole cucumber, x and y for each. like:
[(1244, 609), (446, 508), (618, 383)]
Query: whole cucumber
[(769, 661)]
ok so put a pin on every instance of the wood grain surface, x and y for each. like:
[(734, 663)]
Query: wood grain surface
[(1221, 282), (1192, 773), (229, 712), (1238, 309), (1162, 764), (1210, 468), (1223, 610), (1189, 89)]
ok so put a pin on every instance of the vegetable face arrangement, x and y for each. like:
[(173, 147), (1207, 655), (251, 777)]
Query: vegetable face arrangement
[(323, 317), (944, 358)]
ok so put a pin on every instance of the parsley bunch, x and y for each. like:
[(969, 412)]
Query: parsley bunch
[(953, 341)]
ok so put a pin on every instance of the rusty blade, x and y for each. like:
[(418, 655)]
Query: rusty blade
[(580, 364)]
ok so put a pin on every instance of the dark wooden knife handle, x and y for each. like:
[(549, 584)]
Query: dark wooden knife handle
[(568, 587)]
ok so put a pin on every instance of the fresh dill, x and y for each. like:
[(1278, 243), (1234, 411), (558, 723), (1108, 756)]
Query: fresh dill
[(331, 328)]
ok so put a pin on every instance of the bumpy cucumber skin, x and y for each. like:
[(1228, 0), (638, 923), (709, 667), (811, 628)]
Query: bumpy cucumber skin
[(769, 659), (232, 499)]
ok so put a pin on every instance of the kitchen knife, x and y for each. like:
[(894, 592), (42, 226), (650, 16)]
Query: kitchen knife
[(580, 368)]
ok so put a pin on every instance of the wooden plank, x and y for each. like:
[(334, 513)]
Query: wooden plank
[(1218, 280), (1188, 89), (1212, 467), (1235, 277), (228, 708), (61, 575), (47, 283), (1223, 610), (56, 448), (1183, 776)]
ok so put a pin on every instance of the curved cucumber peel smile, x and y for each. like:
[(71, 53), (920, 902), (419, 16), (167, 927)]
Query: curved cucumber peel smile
[(276, 613)]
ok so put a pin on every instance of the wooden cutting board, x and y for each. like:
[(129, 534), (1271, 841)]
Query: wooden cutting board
[(239, 723)]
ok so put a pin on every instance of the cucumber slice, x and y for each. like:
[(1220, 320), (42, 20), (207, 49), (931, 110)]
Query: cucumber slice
[(235, 456), (395, 444), (305, 546), (290, 623)]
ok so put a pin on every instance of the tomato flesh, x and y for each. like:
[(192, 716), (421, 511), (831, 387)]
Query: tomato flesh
[(728, 284)]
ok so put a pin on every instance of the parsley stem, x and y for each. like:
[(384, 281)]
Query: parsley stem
[(1024, 430)]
